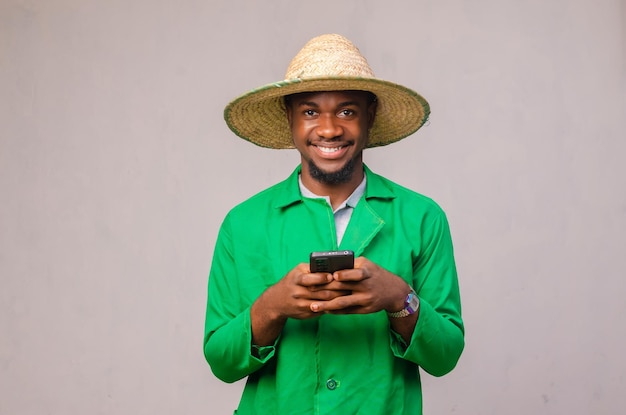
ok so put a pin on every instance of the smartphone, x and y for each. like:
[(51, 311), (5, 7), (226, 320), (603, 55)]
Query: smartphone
[(331, 261)]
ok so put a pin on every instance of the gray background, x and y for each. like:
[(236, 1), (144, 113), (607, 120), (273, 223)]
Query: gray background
[(116, 169)]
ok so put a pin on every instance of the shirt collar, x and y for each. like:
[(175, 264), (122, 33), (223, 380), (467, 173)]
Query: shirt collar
[(375, 187), (351, 201)]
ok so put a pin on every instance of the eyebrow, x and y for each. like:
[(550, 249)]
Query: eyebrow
[(341, 104)]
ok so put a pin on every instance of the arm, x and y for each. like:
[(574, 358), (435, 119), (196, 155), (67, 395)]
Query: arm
[(244, 320), (438, 339), (227, 334), (433, 337)]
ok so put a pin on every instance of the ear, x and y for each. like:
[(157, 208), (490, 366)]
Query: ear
[(371, 113), (289, 114)]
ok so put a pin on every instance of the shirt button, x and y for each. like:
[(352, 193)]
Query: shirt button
[(331, 384)]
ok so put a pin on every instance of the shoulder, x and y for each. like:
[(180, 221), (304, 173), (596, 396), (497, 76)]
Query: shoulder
[(401, 196), (266, 201)]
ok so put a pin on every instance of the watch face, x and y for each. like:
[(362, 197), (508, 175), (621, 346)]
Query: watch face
[(413, 303)]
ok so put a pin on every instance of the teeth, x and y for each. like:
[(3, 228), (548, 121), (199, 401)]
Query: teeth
[(329, 149)]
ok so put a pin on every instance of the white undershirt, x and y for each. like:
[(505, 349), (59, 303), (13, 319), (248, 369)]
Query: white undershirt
[(343, 212)]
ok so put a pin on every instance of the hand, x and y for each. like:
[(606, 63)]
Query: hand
[(372, 289), (291, 297)]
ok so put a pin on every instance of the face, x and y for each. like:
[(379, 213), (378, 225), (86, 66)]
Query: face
[(330, 130)]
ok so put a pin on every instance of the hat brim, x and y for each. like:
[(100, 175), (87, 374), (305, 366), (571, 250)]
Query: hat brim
[(259, 115)]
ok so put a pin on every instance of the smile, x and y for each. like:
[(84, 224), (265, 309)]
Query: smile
[(329, 150)]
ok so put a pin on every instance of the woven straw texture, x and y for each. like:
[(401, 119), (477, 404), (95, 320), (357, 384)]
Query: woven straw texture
[(325, 63)]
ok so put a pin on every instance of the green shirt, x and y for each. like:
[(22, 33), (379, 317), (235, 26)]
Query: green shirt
[(333, 364)]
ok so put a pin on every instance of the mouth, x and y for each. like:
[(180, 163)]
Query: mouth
[(330, 152)]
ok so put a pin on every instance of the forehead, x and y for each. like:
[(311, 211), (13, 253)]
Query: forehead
[(364, 97)]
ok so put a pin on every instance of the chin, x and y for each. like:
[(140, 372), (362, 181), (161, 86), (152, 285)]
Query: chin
[(342, 175)]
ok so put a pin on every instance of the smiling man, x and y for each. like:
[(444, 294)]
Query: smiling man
[(352, 341), (330, 130)]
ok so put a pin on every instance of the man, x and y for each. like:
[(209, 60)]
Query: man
[(350, 342)]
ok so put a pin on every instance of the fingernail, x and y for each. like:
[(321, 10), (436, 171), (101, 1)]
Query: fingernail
[(315, 307)]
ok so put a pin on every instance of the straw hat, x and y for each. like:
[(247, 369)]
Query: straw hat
[(325, 63)]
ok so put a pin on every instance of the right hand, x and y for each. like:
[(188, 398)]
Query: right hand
[(291, 297)]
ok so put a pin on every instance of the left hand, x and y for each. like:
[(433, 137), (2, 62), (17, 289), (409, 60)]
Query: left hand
[(373, 289)]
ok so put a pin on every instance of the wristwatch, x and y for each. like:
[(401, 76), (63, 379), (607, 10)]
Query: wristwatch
[(411, 305)]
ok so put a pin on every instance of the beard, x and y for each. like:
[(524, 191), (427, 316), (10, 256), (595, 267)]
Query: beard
[(340, 176)]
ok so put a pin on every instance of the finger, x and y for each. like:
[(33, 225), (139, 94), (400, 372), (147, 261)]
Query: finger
[(318, 278), (348, 275), (345, 302), (303, 267), (334, 286), (326, 295), (361, 261)]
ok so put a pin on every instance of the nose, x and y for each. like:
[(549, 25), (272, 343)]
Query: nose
[(328, 127)]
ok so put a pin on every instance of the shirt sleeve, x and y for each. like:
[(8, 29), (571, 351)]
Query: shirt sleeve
[(438, 339), (228, 334)]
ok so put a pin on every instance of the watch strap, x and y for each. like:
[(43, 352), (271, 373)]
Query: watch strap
[(411, 305)]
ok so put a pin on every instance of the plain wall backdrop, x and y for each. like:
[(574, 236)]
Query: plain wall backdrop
[(116, 170)]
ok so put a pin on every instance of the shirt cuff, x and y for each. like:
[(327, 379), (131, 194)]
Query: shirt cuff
[(397, 343), (263, 353)]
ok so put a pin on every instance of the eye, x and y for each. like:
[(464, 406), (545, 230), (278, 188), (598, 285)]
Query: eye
[(309, 112), (347, 113)]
